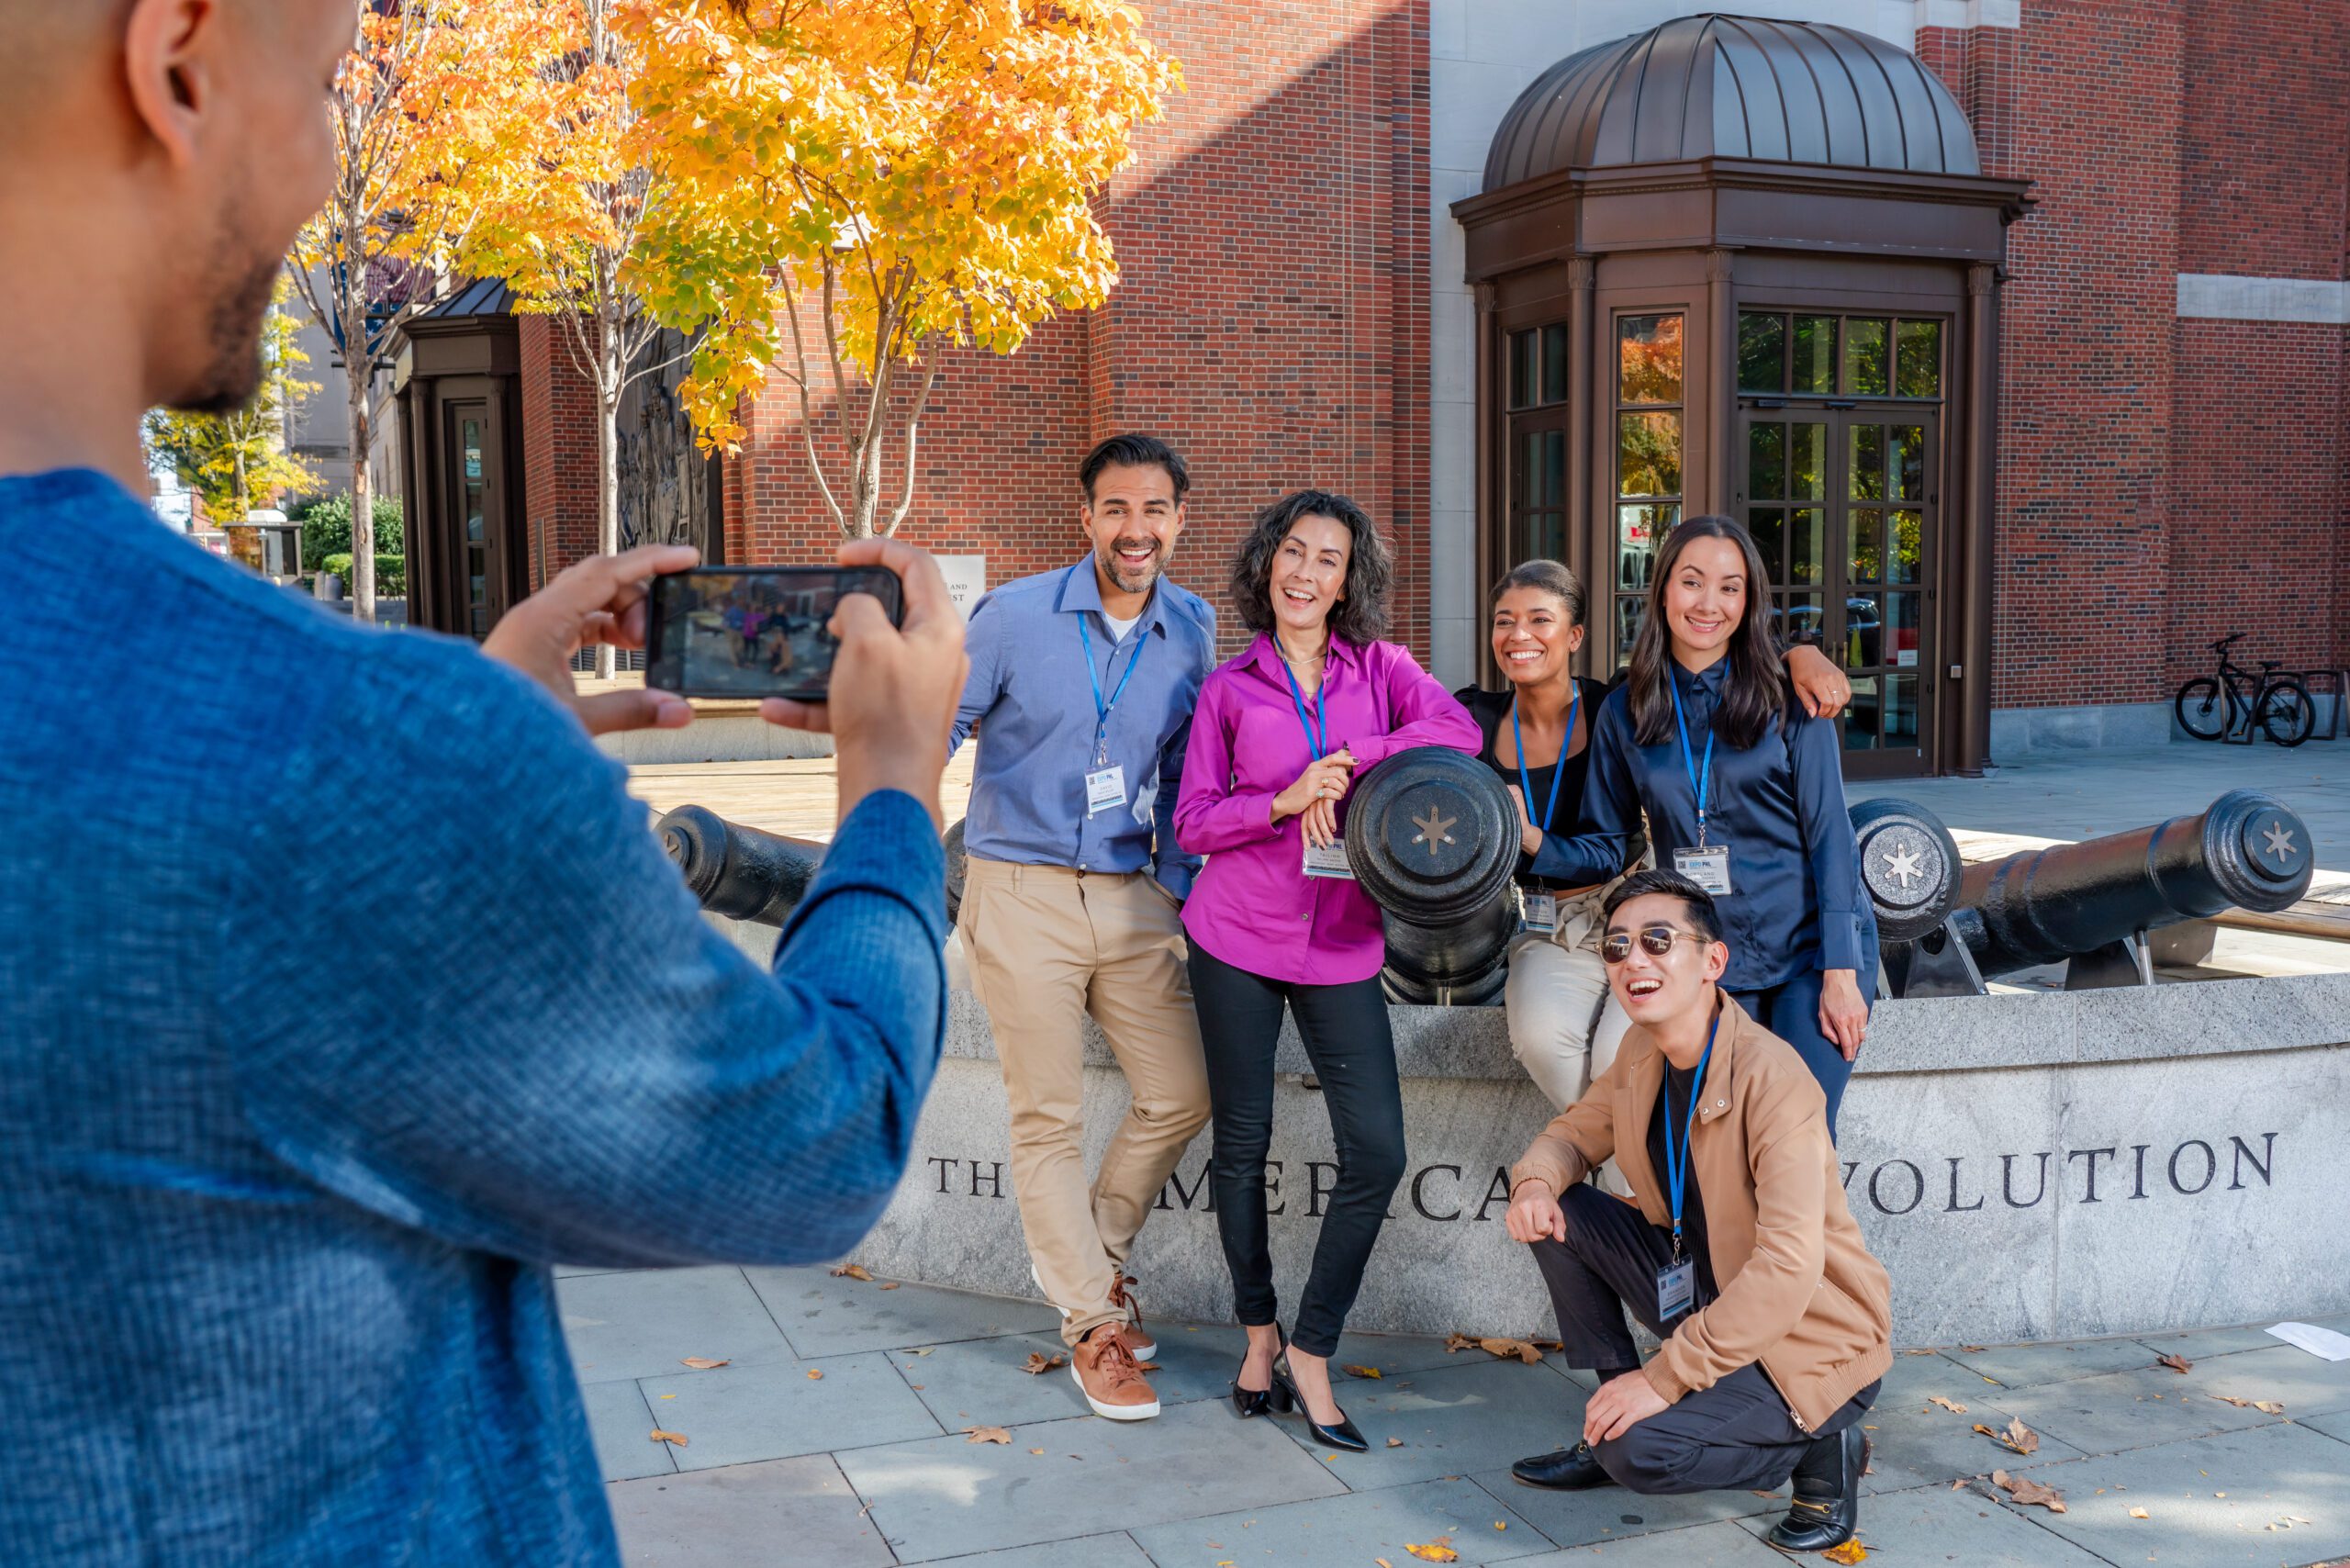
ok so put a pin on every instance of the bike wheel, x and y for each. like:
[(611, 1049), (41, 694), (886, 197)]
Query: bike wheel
[(2202, 710), (2288, 713)]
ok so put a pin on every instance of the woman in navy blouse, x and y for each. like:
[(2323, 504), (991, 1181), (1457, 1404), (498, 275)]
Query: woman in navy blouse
[(1744, 794)]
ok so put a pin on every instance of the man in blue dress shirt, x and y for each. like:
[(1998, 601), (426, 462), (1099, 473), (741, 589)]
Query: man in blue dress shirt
[(342, 989), (1083, 684)]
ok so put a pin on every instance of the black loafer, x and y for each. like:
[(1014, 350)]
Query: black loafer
[(1568, 1470), (1827, 1507)]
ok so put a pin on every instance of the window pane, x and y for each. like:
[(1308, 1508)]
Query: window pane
[(1527, 476), (1522, 369), (1901, 710), (1813, 364), (1648, 362), (1868, 463), (1631, 610), (1639, 531), (1902, 629), (1867, 555), (1797, 617), (1766, 462), (1806, 545), (1648, 454), (1866, 374), (1918, 371), (1909, 466), (1762, 354), (1769, 526), (1861, 716), (1863, 630), (1544, 536), (1807, 462), (1909, 531), (1554, 364), (1554, 468)]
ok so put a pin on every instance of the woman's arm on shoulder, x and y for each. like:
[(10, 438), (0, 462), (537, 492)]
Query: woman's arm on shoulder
[(1607, 837), (1420, 711)]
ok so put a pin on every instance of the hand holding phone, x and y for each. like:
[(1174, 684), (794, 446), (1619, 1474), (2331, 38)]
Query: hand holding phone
[(599, 599)]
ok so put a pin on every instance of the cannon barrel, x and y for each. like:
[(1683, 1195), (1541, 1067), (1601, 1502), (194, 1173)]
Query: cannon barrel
[(2042, 906), (1910, 866), (746, 873), (1432, 837)]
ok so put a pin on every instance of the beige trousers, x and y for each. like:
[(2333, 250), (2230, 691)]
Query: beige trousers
[(1564, 1025), (1046, 946)]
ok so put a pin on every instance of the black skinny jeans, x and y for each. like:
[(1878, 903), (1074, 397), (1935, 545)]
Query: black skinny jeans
[(1345, 1029)]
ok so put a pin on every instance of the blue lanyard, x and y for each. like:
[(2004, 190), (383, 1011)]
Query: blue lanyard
[(1676, 1154), (1317, 736), (1102, 710), (1701, 781), (1558, 770)]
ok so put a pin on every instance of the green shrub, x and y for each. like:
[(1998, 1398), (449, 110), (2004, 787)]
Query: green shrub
[(391, 573), (326, 531)]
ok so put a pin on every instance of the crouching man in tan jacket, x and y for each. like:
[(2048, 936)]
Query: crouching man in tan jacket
[(1736, 1248)]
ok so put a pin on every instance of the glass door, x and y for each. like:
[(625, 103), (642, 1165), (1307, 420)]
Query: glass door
[(1883, 633)]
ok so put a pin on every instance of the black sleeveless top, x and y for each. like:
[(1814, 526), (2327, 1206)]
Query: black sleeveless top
[(1491, 709)]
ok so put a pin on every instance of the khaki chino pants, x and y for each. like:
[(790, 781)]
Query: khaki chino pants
[(1048, 946)]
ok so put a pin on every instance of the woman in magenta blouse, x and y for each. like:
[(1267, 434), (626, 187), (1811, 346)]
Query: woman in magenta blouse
[(1276, 919)]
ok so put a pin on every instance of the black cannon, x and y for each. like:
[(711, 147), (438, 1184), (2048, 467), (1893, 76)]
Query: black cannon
[(2090, 905), (1432, 837), (748, 874)]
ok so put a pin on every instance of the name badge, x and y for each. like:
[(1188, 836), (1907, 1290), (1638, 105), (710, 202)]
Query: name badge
[(1105, 787), (1677, 1287), (1541, 913), (1330, 862), (1708, 867)]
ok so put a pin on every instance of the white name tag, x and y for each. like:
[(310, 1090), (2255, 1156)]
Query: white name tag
[(1541, 913), (1105, 787), (1677, 1287), (1330, 862), (1708, 867)]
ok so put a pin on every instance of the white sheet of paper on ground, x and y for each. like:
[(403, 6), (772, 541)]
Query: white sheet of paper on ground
[(2315, 1340)]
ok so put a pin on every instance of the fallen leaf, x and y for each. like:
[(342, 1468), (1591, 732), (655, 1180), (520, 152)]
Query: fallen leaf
[(1959, 1485), (2138, 1513), (851, 1271), (2017, 1439), (1438, 1550), (668, 1396), (702, 1363), (891, 1286), (989, 1435), (1383, 1563), (1458, 1342), (926, 1349), (916, 1386), (1499, 1525), (1035, 1451), (1917, 1352), (2029, 1493), (1353, 1370), (1974, 1350), (1037, 1363), (1394, 1443), (1546, 1346), (2265, 1406), (815, 1374), (2176, 1363), (1951, 1405), (1503, 1349), (661, 1436), (1147, 1366), (1852, 1552)]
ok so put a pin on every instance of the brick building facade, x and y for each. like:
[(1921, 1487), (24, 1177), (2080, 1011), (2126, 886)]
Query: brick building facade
[(2173, 442)]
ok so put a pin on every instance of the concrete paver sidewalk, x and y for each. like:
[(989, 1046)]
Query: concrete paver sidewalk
[(836, 1435)]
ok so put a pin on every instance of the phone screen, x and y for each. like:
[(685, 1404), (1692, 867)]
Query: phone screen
[(754, 630)]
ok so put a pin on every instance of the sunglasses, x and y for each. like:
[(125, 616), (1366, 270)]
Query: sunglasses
[(1657, 940)]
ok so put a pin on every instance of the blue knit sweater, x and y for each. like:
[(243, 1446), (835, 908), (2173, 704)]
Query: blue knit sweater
[(342, 992)]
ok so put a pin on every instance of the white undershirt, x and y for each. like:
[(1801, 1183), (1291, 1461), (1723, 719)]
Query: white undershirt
[(1118, 629)]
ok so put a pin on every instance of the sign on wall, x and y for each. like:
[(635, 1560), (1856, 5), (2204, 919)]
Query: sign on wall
[(967, 579)]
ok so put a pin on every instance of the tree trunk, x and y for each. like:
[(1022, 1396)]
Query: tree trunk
[(357, 368), (607, 464)]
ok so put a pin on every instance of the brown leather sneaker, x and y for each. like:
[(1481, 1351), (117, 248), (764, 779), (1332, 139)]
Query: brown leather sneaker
[(1139, 1343), (1112, 1380)]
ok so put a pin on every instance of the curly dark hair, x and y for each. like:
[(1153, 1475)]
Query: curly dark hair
[(1361, 616)]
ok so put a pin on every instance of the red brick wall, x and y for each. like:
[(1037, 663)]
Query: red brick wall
[(1270, 321), (558, 450), (2163, 481)]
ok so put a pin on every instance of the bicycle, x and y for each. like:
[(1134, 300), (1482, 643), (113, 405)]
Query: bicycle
[(2279, 704)]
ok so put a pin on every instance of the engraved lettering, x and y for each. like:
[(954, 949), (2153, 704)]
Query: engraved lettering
[(994, 1178), (2091, 1154), (2210, 1167), (2141, 1148), (1497, 1193), (2260, 1163), (1183, 1195), (1316, 1189), (2008, 1181), (1273, 1189), (1419, 1198), (945, 1168), (1956, 1207), (1917, 1187)]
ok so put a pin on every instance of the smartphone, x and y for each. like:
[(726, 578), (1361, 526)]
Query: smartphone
[(754, 631)]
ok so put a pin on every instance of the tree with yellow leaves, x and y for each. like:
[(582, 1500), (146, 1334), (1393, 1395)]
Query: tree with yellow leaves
[(911, 174), (233, 460), (531, 159)]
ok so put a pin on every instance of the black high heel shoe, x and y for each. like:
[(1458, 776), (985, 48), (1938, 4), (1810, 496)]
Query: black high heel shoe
[(1342, 1435), (1279, 1398)]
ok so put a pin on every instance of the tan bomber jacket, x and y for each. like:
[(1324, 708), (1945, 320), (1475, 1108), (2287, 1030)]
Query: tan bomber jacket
[(1800, 1294)]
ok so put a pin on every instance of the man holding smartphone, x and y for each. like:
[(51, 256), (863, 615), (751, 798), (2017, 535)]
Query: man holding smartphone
[(343, 991), (1081, 688)]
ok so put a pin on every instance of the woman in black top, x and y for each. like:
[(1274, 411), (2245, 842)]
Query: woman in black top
[(1563, 1026)]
